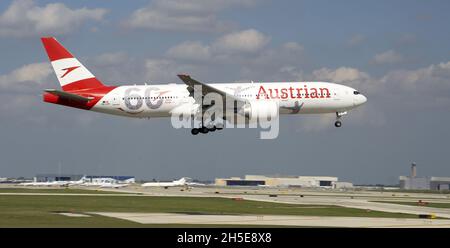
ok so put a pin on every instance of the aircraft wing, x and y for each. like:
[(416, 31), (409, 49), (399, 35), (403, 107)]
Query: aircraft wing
[(205, 89), (68, 96)]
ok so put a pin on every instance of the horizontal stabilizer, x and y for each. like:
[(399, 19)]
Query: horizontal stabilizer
[(69, 96)]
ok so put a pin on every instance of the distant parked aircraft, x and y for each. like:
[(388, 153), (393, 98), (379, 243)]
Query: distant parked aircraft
[(114, 185), (176, 183), (48, 183), (54, 183)]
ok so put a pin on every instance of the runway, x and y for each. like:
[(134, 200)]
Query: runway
[(277, 220), (350, 199), (314, 198)]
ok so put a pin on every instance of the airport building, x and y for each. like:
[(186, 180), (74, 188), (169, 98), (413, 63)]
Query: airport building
[(87, 178), (111, 179), (425, 183), (283, 181), (56, 177)]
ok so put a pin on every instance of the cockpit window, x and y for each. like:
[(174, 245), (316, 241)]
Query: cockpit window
[(356, 92)]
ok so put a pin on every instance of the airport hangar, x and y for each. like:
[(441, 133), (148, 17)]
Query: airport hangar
[(284, 181), (423, 183)]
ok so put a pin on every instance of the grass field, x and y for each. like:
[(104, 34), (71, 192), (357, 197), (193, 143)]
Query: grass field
[(42, 210), (56, 190), (430, 204)]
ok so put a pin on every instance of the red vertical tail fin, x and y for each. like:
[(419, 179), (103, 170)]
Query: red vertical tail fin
[(71, 74)]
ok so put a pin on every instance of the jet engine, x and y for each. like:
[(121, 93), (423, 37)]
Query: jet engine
[(259, 111)]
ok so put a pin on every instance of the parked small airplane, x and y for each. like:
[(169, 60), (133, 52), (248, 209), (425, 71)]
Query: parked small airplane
[(176, 183), (48, 183), (55, 183), (114, 185), (104, 183)]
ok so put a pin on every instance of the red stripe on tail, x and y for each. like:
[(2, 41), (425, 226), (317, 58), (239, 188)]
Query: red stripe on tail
[(54, 50), (88, 83)]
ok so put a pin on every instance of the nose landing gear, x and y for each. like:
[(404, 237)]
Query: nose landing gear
[(338, 122)]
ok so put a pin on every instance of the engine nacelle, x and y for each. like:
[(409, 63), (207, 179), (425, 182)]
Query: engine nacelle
[(259, 111)]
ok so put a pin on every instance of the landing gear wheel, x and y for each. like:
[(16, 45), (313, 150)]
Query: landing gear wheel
[(338, 124), (194, 131), (212, 129), (204, 130)]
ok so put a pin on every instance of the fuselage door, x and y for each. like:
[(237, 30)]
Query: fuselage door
[(115, 100)]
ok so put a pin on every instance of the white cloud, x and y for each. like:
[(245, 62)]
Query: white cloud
[(248, 41), (179, 15), (388, 57), (22, 88), (340, 75), (25, 18), (198, 6), (165, 70), (114, 58), (153, 19), (292, 72), (190, 50), (432, 80), (232, 47), (27, 75), (348, 76)]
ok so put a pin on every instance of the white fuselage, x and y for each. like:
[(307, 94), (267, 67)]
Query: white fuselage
[(181, 182), (146, 101)]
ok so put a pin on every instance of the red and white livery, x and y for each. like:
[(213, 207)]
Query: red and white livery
[(81, 89)]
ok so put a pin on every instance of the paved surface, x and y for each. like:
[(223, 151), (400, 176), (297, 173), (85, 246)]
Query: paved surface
[(281, 220), (74, 215), (357, 203), (349, 199)]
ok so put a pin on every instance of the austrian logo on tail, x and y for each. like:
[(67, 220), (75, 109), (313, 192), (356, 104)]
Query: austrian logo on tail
[(68, 70)]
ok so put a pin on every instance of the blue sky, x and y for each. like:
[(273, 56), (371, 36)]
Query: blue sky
[(395, 52)]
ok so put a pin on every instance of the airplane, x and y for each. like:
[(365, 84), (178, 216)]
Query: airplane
[(54, 183), (102, 183), (75, 183), (195, 184), (249, 102), (114, 185), (176, 183), (48, 183)]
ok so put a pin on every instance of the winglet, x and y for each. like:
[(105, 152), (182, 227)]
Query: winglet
[(184, 77)]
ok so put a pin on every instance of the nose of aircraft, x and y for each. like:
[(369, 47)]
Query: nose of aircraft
[(360, 100)]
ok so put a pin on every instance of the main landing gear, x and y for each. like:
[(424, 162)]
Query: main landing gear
[(210, 127), (203, 129), (338, 122)]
